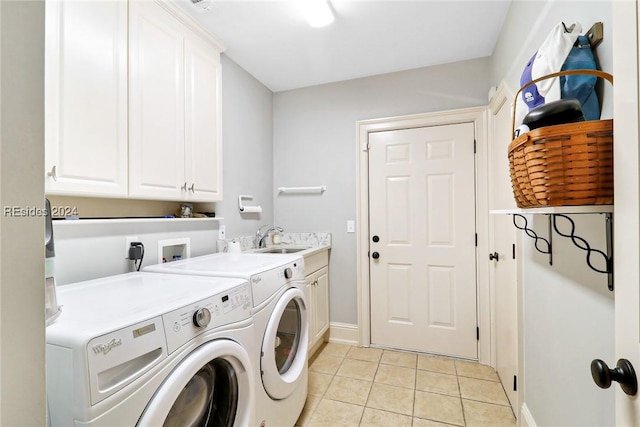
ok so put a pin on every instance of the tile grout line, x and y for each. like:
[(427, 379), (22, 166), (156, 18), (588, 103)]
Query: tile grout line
[(322, 397), (373, 380), (464, 418)]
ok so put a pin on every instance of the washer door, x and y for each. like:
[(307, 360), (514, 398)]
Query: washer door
[(210, 387), (284, 346)]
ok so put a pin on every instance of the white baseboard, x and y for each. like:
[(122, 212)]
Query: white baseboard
[(526, 419), (343, 333)]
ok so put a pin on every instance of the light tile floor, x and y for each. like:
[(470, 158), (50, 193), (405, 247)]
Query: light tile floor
[(351, 387)]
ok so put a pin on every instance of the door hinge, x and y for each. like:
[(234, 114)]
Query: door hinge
[(478, 333), (476, 240), (513, 251), (515, 383)]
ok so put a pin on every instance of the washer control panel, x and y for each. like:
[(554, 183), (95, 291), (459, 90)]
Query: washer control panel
[(185, 323), (267, 283)]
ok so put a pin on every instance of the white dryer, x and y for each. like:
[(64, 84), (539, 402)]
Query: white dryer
[(150, 350), (281, 325)]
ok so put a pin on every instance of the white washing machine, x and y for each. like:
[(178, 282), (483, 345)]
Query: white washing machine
[(150, 350), (280, 321)]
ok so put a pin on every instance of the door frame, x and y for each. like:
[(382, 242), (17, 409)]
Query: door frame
[(626, 22), (475, 115)]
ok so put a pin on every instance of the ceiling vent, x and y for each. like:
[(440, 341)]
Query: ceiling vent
[(202, 5)]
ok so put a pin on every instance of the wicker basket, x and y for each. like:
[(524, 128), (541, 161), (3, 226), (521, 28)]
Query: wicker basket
[(563, 165)]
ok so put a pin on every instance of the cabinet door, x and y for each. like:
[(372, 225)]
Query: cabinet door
[(203, 148), (156, 87), (320, 303), (86, 98)]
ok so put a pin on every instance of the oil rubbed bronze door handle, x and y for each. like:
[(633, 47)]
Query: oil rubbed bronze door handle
[(623, 373)]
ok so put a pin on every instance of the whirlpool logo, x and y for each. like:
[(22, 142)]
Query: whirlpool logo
[(106, 347)]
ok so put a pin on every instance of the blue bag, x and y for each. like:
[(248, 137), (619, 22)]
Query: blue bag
[(581, 87)]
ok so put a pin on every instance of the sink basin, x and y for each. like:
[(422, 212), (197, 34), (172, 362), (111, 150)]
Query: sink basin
[(281, 250)]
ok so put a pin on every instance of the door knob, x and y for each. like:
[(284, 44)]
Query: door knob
[(375, 255), (494, 256), (623, 373), (376, 239)]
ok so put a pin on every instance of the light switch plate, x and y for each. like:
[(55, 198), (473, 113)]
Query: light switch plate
[(222, 232), (351, 226)]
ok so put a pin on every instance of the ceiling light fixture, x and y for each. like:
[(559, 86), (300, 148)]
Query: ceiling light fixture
[(317, 12)]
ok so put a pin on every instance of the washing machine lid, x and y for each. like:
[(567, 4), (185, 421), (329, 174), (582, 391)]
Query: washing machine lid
[(243, 265), (94, 307)]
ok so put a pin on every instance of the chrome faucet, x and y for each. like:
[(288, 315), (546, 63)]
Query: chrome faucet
[(260, 236)]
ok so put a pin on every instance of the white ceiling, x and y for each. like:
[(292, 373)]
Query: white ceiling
[(272, 41)]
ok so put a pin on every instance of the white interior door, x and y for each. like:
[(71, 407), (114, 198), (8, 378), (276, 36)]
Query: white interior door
[(506, 303), (422, 239), (627, 201), (503, 274)]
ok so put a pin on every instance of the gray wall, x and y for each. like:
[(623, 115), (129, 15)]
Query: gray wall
[(568, 311), (247, 127), (314, 144)]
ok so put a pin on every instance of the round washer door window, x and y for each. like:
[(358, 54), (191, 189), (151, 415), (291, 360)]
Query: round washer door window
[(211, 387), (209, 399), (284, 346)]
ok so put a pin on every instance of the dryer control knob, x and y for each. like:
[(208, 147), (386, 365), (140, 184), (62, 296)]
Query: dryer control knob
[(288, 273), (201, 317)]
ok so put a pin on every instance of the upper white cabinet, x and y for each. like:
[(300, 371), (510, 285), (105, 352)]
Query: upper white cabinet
[(132, 102), (203, 133), (175, 150), (86, 98)]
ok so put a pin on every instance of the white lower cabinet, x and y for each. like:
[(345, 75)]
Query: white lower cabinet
[(317, 285)]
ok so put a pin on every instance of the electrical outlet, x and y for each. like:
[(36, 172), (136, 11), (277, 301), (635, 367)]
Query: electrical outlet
[(222, 232), (129, 239)]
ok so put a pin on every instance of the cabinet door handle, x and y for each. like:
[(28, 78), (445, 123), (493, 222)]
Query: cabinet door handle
[(184, 187), (192, 188), (53, 174)]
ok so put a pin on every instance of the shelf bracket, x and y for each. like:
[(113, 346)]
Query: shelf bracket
[(534, 235), (581, 243)]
